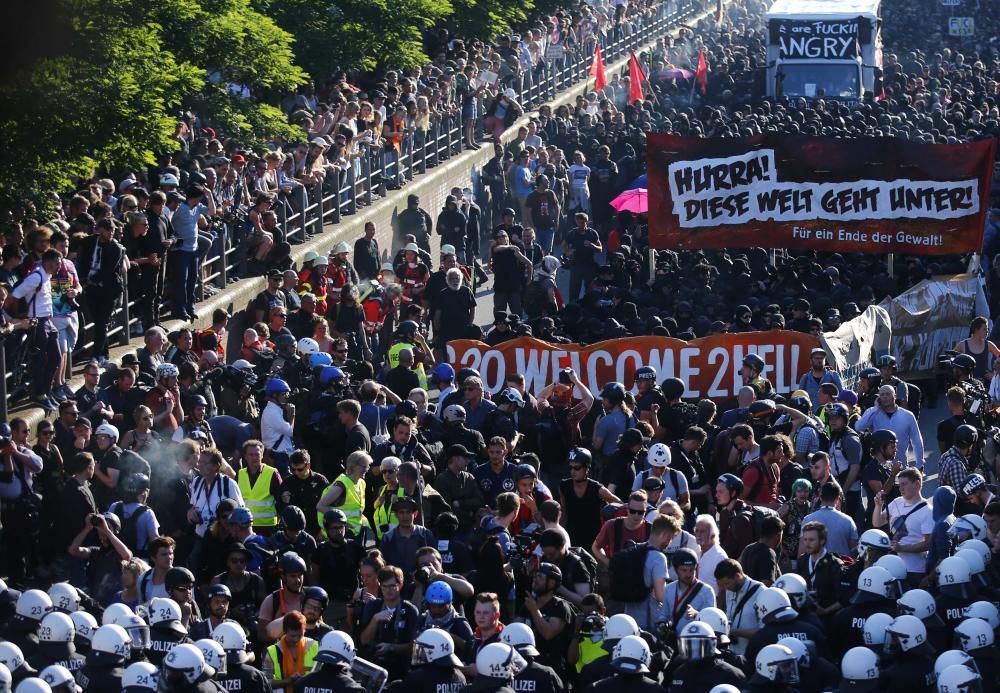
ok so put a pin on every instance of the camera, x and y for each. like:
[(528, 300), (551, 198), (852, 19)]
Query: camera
[(593, 625), (566, 376), (95, 521), (422, 575)]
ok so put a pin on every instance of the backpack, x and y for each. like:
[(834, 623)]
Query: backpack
[(130, 526), (589, 564), (18, 308), (536, 300), (757, 514), (627, 571)]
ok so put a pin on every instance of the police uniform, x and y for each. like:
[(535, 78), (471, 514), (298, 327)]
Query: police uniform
[(100, 677), (704, 674), (162, 641), (818, 676), (911, 672), (537, 678), (23, 633), (430, 678), (772, 632), (243, 678), (625, 683), (330, 678), (63, 654), (848, 627)]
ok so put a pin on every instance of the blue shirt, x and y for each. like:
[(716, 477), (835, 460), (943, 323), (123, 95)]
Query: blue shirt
[(375, 418), (608, 428), (185, 223), (493, 484), (903, 424), (841, 532), (809, 383)]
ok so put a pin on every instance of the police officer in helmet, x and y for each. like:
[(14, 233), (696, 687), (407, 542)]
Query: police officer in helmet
[(496, 666), (535, 676), (184, 670), (239, 675), (630, 661), (702, 665), (104, 669), (333, 666), (165, 628), (434, 666)]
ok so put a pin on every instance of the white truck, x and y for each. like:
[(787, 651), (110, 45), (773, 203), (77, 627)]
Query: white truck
[(824, 48)]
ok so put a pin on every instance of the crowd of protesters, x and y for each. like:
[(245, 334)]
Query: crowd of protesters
[(324, 500)]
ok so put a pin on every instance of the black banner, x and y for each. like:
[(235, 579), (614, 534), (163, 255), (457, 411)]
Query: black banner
[(824, 39)]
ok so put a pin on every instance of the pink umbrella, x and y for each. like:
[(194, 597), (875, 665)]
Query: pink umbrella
[(675, 73), (635, 201)]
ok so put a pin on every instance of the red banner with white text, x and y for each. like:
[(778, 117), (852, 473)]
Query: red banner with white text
[(871, 195), (710, 366)]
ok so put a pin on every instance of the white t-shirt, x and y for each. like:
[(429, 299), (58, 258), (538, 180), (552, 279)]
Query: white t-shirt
[(706, 566), (918, 523), (578, 176)]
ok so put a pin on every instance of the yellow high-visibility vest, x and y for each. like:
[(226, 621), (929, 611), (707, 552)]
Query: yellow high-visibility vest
[(354, 503), (258, 496), (385, 518), (274, 652)]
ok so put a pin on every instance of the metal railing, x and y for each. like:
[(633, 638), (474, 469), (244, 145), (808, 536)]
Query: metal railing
[(369, 176)]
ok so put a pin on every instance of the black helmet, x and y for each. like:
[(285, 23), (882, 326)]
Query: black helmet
[(963, 361), (755, 362), (673, 388), (334, 515), (291, 562), (176, 577), (881, 438), (219, 590), (800, 403), (761, 408), (407, 408), (886, 361), (284, 342), (135, 483), (614, 391), (293, 518), (838, 409), (872, 375), (966, 435), (464, 373), (407, 327), (581, 455), (645, 373), (317, 593)]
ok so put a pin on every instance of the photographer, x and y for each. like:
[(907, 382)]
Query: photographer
[(21, 512), (277, 423), (43, 342), (98, 544)]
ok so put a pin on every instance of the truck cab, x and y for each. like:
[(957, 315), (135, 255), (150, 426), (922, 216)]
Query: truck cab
[(824, 48)]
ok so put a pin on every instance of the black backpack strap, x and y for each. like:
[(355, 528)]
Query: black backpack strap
[(679, 610), (619, 531)]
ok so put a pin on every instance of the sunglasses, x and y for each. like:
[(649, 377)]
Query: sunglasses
[(633, 511), (298, 470)]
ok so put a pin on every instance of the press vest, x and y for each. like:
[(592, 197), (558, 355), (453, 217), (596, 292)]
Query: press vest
[(354, 502), (385, 518), (258, 497)]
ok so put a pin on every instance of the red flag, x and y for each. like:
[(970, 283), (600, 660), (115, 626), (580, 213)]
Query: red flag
[(701, 74), (597, 70), (635, 79)]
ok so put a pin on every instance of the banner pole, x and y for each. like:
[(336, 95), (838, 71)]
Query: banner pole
[(774, 257), (890, 262), (652, 266)]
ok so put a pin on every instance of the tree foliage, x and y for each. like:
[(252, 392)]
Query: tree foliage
[(485, 19), (104, 84), (365, 35)]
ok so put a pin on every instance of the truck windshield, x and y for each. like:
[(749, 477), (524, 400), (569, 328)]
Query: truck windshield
[(834, 80)]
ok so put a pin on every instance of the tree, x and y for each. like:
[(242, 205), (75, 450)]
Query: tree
[(98, 85), (484, 19), (357, 34)]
